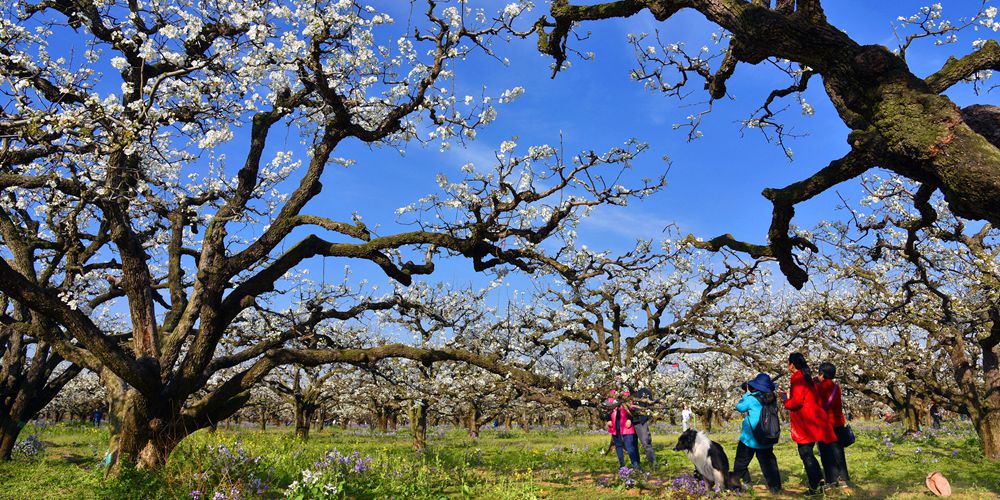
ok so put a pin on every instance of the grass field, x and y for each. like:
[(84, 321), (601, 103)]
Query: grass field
[(540, 463)]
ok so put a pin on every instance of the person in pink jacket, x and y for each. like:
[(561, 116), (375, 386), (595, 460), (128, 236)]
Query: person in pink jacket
[(621, 430)]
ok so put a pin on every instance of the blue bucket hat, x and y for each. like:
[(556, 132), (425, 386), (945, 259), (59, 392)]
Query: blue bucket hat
[(762, 382)]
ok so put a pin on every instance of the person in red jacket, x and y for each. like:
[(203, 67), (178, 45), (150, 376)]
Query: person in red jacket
[(809, 423), (830, 395)]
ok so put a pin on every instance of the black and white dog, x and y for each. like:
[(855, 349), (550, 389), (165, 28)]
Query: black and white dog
[(709, 459)]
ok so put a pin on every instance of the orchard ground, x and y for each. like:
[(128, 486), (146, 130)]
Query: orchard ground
[(65, 462)]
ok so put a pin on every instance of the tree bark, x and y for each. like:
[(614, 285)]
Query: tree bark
[(303, 420), (988, 428), (910, 416), (472, 422), (144, 436), (418, 425), (9, 430), (383, 420), (143, 432)]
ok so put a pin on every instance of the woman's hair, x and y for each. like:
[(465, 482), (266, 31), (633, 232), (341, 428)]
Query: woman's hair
[(799, 362), (828, 370)]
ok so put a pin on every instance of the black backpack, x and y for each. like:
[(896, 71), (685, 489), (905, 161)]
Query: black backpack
[(768, 428)]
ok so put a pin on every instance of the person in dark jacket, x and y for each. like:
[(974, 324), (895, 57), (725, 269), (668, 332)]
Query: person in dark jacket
[(641, 418), (830, 395), (935, 412), (809, 423), (758, 392)]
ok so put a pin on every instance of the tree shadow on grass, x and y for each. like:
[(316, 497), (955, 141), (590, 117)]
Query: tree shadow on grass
[(79, 459)]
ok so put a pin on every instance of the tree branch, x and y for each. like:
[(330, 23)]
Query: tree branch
[(956, 70)]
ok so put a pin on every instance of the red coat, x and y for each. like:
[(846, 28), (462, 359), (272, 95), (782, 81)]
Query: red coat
[(619, 417), (834, 406), (809, 422)]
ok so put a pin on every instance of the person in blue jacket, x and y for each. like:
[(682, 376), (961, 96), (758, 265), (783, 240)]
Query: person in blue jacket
[(757, 392)]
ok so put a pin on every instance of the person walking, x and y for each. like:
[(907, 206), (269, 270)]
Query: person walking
[(758, 393), (809, 422), (935, 411), (621, 429), (641, 418), (686, 415), (830, 395)]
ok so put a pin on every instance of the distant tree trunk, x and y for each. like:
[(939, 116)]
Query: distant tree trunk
[(322, 420), (595, 419), (382, 417), (303, 419), (473, 422), (263, 420), (910, 417), (709, 414), (418, 424)]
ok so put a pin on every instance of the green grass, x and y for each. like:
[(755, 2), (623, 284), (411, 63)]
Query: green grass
[(541, 463)]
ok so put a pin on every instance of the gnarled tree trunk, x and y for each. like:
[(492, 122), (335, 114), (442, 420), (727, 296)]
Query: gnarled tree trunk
[(988, 428), (141, 434), (382, 419), (910, 417), (303, 420), (472, 422)]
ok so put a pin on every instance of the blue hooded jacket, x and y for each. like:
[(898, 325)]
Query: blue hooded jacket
[(750, 407)]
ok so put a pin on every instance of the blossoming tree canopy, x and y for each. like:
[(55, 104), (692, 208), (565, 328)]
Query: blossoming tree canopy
[(898, 120), (928, 326), (137, 144)]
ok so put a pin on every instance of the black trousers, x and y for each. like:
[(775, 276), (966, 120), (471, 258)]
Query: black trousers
[(829, 454), (765, 459), (841, 457), (813, 471)]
